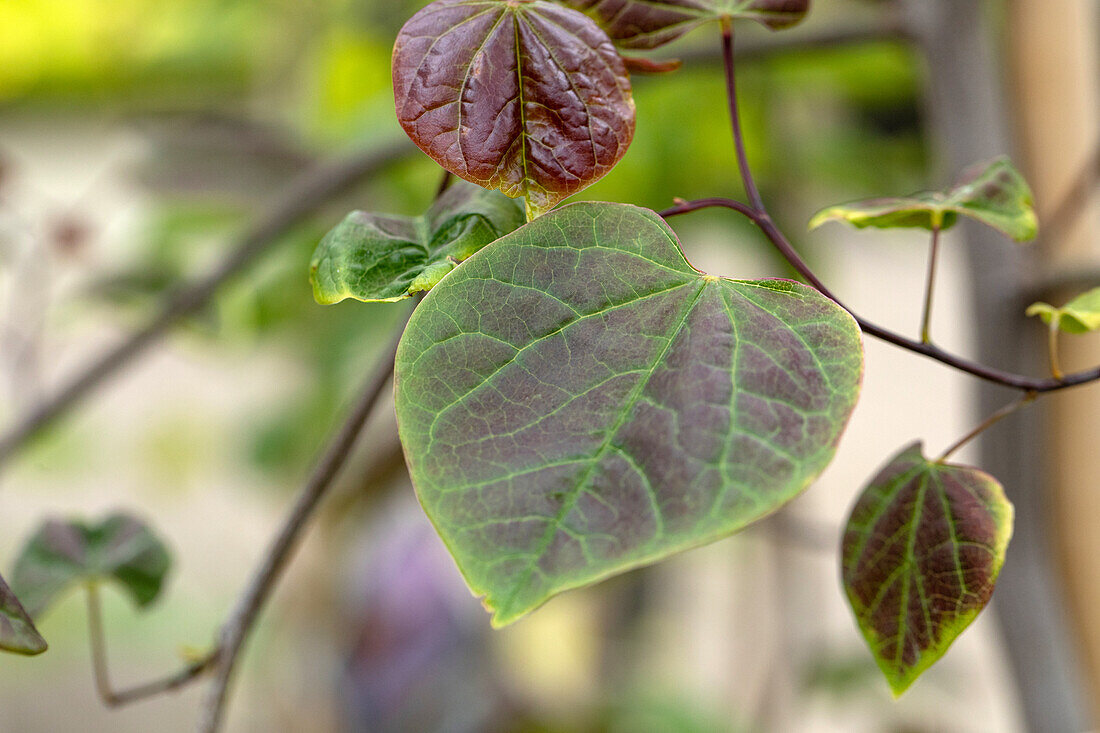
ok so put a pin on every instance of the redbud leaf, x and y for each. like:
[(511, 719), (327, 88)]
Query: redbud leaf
[(379, 257), (524, 96), (65, 552), (1080, 315), (17, 631), (921, 553), (992, 192), (644, 24), (576, 400)]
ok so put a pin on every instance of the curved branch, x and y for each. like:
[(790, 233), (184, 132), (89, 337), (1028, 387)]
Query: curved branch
[(236, 629), (302, 198), (1008, 379)]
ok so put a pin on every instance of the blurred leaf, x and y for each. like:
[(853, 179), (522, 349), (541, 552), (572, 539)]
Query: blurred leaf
[(17, 631), (644, 24), (1080, 315), (63, 553), (921, 553), (530, 98), (993, 193), (376, 257), (577, 400)]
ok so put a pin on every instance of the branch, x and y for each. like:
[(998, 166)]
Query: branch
[(1016, 381), (235, 631), (113, 698), (760, 217), (302, 198)]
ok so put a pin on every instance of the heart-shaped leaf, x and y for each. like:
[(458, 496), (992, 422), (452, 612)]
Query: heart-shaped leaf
[(376, 257), (643, 24), (62, 553), (921, 553), (993, 193), (525, 96), (17, 631), (1080, 315), (576, 400)]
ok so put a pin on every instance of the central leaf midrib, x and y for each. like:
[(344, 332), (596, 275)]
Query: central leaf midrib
[(574, 495)]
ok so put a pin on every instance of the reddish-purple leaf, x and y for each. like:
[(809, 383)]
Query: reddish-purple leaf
[(921, 553), (642, 24), (525, 96), (17, 631)]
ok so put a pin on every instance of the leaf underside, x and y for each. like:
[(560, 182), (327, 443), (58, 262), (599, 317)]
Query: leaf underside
[(576, 400), (63, 553), (376, 257), (1080, 315), (17, 631), (992, 192), (525, 96), (921, 553), (646, 24)]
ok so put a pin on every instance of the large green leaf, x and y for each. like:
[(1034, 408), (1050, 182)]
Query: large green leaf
[(644, 24), (62, 553), (1080, 315), (921, 553), (576, 400), (525, 96), (375, 257), (17, 631), (992, 192)]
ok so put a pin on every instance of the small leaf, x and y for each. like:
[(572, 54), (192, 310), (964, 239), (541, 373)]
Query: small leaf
[(17, 631), (921, 553), (373, 257), (1080, 315), (993, 193), (576, 400), (643, 24), (62, 553), (525, 96)]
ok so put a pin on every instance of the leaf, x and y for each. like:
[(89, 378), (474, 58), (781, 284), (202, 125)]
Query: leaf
[(993, 193), (62, 553), (576, 400), (17, 631), (524, 96), (375, 257), (1080, 315), (643, 24), (921, 553)]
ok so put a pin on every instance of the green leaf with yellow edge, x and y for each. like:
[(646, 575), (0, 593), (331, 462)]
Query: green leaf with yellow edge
[(921, 553), (576, 400), (17, 631), (376, 257), (1080, 315), (646, 24), (992, 192), (63, 553)]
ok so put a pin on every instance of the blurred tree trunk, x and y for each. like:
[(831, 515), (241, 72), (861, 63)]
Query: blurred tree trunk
[(969, 122), (1056, 73)]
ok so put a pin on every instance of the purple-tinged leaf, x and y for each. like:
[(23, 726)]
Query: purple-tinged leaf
[(576, 400), (992, 192), (644, 24), (63, 553), (525, 96), (921, 553), (17, 631)]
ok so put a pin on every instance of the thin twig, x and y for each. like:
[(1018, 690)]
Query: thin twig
[(236, 629), (107, 694), (735, 117), (989, 422), (779, 241), (302, 198), (929, 288)]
